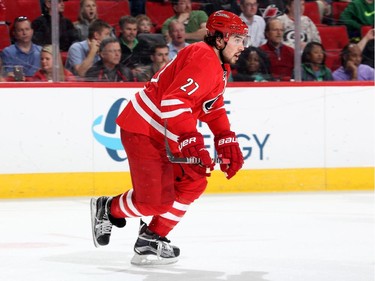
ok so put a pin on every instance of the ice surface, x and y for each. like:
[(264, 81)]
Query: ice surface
[(242, 237)]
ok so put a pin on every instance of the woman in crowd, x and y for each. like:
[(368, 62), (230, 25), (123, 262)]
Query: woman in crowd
[(46, 62), (313, 67), (253, 65), (87, 14)]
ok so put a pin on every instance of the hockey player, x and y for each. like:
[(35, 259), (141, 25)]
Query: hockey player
[(189, 88)]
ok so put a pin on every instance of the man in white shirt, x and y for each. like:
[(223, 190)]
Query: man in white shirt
[(255, 23), (177, 34)]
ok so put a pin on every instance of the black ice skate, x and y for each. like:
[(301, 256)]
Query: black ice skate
[(102, 221), (152, 249)]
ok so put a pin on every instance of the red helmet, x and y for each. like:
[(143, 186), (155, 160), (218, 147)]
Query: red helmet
[(226, 23)]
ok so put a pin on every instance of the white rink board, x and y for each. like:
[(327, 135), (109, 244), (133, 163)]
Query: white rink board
[(52, 129)]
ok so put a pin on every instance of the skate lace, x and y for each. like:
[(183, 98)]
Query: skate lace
[(164, 248), (104, 226)]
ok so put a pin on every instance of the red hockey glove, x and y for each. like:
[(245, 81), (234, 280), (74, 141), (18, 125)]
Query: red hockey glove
[(227, 147), (192, 145)]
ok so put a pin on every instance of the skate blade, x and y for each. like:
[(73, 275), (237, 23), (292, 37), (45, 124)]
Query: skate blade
[(93, 219), (147, 260)]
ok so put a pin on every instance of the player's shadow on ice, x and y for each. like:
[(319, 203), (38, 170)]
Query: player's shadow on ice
[(171, 273), (119, 263)]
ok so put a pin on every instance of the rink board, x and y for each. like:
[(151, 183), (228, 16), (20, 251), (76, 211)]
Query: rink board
[(60, 139), (282, 180)]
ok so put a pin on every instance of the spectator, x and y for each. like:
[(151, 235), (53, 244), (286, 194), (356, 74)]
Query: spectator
[(46, 62), (108, 68), (87, 14), (194, 21), (255, 23), (2, 79), (309, 32), (133, 51), (137, 7), (367, 47), (23, 52), (277, 7), (281, 56), (313, 67), (144, 24), (253, 65), (324, 10), (43, 31), (210, 6), (159, 58), (351, 67), (82, 55), (357, 14), (176, 31)]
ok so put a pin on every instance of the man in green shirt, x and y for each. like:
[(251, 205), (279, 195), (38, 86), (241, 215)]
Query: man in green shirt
[(194, 21), (357, 14)]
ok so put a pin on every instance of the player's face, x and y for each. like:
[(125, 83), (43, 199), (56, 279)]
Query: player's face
[(46, 61), (233, 49)]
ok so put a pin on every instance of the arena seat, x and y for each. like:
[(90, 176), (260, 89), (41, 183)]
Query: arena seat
[(71, 10), (312, 11), (365, 29), (337, 9), (333, 37), (28, 8), (111, 10), (158, 12), (333, 61), (4, 35)]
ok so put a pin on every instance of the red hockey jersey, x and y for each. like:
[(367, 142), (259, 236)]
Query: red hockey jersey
[(187, 89)]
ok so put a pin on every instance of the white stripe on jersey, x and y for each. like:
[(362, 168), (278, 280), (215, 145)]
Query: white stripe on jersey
[(122, 207), (175, 113), (171, 217), (180, 206), (129, 203), (164, 115), (149, 103), (171, 102), (151, 121)]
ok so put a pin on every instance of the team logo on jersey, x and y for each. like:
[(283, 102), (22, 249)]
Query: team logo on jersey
[(207, 105)]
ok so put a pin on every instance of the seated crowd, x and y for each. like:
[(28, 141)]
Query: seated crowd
[(92, 50)]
